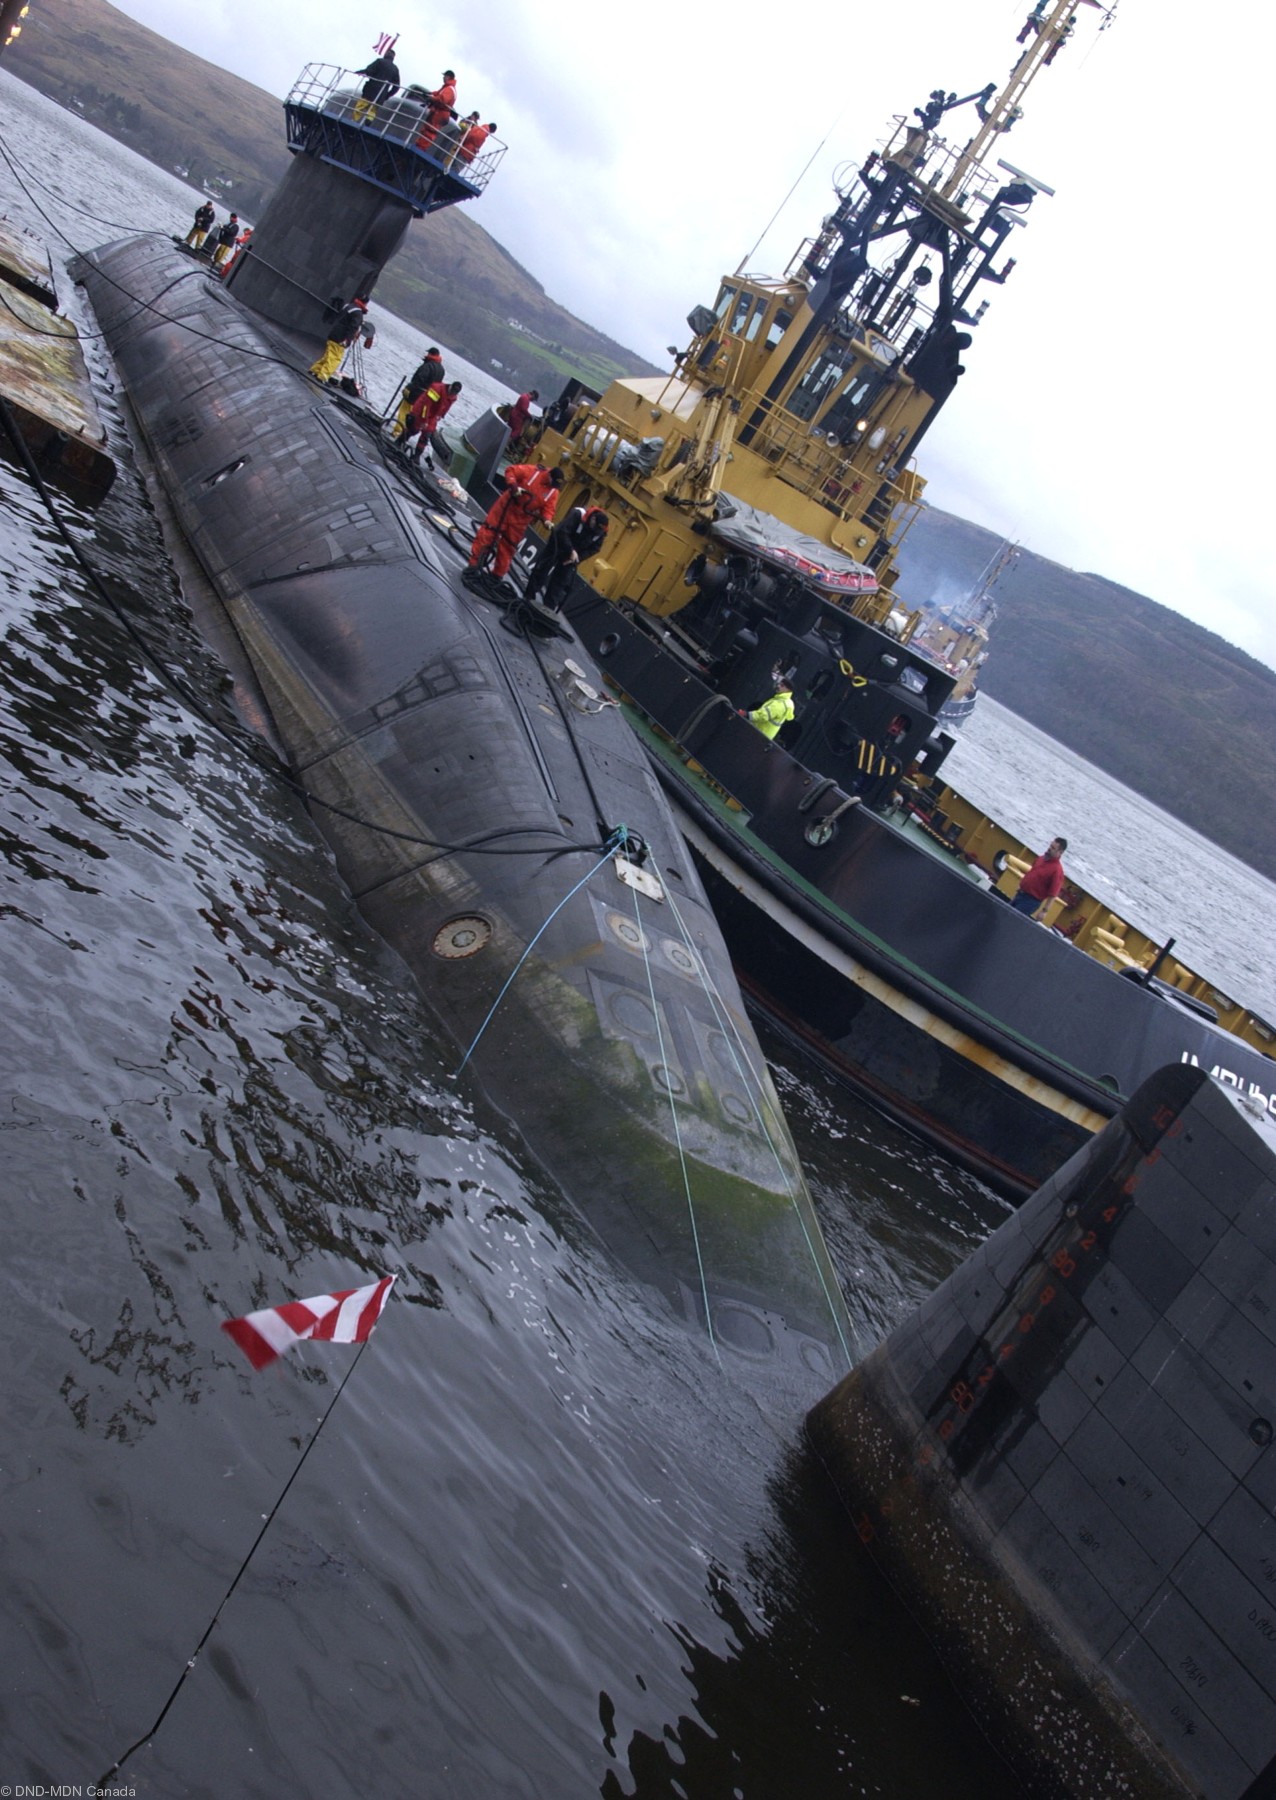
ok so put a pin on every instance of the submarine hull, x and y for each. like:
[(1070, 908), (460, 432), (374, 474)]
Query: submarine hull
[(1064, 1458), (474, 806)]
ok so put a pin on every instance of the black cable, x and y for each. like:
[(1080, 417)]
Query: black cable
[(110, 224), (100, 335), (146, 305), (104, 1781)]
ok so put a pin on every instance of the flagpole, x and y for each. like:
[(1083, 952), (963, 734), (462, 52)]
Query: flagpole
[(191, 1660)]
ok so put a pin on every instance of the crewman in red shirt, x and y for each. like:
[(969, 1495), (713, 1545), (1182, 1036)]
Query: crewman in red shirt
[(473, 141), (1043, 882), (520, 412)]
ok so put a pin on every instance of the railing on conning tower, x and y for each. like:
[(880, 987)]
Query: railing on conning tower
[(392, 143)]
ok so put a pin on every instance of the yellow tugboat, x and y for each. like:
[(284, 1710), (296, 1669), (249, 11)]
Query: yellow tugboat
[(758, 496)]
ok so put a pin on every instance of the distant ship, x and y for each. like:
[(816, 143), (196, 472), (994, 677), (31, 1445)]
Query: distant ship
[(958, 637)]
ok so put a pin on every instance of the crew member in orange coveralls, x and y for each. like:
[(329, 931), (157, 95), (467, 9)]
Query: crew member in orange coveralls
[(475, 138), (530, 493), (442, 101)]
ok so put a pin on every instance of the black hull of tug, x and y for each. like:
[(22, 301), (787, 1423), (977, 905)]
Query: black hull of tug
[(906, 1072), (990, 1036), (466, 799)]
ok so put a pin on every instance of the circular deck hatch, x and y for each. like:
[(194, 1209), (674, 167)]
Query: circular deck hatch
[(465, 936)]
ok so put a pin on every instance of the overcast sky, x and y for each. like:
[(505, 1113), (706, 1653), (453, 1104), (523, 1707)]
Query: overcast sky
[(1116, 407)]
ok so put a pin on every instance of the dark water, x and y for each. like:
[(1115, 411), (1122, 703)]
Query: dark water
[(541, 1547)]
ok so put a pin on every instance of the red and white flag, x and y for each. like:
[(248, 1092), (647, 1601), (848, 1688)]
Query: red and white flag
[(386, 43), (345, 1318)]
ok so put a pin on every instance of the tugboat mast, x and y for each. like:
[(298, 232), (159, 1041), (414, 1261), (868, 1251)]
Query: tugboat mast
[(1045, 30), (802, 399)]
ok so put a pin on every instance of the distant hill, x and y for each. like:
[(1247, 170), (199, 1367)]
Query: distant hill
[(1170, 709), (450, 279)]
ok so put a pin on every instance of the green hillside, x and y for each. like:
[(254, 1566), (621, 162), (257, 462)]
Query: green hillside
[(451, 279), (1170, 709)]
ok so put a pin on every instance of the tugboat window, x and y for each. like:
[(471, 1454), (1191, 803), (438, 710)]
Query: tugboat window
[(814, 388), (841, 417), (777, 328), (724, 303), (741, 313)]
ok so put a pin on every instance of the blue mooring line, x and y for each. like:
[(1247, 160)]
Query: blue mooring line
[(617, 841)]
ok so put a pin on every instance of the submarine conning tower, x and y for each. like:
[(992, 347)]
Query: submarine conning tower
[(360, 174)]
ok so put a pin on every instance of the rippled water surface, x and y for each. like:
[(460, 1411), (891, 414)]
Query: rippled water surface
[(541, 1546)]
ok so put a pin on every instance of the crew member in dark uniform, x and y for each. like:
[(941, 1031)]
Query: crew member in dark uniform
[(428, 373), (204, 216), (573, 541), (352, 322), (226, 240), (383, 80)]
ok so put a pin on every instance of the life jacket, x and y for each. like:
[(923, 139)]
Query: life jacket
[(350, 324), (473, 142), (776, 711), (442, 100), (539, 501), (428, 373)]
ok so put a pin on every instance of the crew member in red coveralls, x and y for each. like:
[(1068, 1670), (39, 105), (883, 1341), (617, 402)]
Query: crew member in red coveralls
[(1043, 882), (428, 373), (442, 101), (426, 415), (475, 137), (519, 413), (530, 493), (241, 244)]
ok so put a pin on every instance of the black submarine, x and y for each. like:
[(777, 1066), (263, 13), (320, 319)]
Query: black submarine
[(490, 812), (1064, 1459)]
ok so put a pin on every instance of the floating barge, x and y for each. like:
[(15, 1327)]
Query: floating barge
[(43, 378)]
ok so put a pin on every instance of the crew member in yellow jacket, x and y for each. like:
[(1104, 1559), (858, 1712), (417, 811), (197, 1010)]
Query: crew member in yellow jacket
[(777, 711)]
